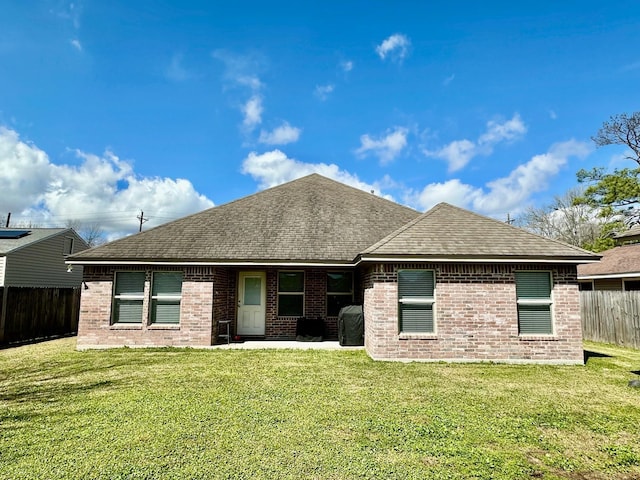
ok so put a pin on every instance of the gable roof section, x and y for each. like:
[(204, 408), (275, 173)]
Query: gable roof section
[(309, 220), (450, 233), (8, 245), (616, 262)]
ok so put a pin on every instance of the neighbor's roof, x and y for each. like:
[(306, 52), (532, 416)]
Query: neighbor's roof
[(448, 232), (8, 245), (309, 220), (632, 232), (619, 261)]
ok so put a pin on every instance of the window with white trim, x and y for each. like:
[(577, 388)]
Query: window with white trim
[(128, 297), (290, 294), (533, 291), (339, 291), (166, 294), (416, 301)]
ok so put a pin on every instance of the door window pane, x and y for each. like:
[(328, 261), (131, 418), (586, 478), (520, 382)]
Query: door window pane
[(252, 291)]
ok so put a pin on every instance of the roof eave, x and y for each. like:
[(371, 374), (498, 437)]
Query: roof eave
[(477, 259), (217, 263)]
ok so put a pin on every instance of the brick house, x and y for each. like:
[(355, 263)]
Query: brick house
[(444, 285), (619, 269)]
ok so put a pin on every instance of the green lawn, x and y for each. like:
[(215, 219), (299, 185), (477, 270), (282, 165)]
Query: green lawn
[(173, 413)]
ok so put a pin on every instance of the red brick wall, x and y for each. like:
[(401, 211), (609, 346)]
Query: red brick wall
[(475, 316), (196, 311), (315, 304), (209, 294)]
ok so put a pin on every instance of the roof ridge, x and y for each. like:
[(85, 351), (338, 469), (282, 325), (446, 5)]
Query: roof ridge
[(405, 227)]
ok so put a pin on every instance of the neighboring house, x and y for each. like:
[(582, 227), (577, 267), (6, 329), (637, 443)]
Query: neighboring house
[(444, 285), (32, 260), (630, 236), (619, 269)]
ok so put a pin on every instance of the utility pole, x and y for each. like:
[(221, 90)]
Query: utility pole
[(509, 220), (142, 219)]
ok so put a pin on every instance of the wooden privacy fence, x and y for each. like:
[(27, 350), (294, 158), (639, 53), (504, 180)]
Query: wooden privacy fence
[(32, 313), (611, 317)]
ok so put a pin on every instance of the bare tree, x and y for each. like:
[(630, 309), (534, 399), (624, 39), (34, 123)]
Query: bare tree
[(92, 233), (564, 219), (622, 129)]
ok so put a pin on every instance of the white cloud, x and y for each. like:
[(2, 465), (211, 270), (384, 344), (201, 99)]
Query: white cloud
[(281, 135), (176, 72), (25, 172), (553, 115), (75, 43), (386, 148), (346, 66), (252, 111), (241, 70), (506, 194), (459, 152), (101, 189), (323, 91), (274, 168), (499, 132), (395, 47), (448, 80)]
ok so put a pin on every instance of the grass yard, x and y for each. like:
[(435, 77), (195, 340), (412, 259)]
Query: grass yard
[(173, 413)]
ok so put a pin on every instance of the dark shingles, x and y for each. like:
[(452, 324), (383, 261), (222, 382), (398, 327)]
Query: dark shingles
[(312, 219), (446, 231), (618, 260)]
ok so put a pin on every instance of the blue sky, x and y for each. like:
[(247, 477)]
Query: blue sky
[(112, 108)]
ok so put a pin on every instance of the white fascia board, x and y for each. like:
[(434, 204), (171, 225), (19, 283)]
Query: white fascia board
[(609, 275), (212, 264), (472, 260)]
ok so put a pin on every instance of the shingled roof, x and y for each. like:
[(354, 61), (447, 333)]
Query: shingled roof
[(448, 232), (35, 235), (618, 261), (309, 220)]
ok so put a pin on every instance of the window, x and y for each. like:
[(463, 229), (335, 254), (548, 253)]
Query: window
[(166, 293), (533, 290), (339, 291), (290, 294), (128, 297), (68, 246), (585, 286), (416, 299), (631, 285)]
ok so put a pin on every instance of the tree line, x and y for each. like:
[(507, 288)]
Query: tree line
[(604, 203)]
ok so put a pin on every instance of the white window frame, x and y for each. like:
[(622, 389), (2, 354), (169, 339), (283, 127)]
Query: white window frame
[(170, 298), (537, 301), (418, 301), (126, 297)]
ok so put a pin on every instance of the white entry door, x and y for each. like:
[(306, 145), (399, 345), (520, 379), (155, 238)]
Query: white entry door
[(251, 303)]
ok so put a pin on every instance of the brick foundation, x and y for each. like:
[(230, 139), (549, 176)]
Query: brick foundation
[(476, 316)]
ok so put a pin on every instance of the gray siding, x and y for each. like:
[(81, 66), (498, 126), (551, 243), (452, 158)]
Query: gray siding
[(41, 264)]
